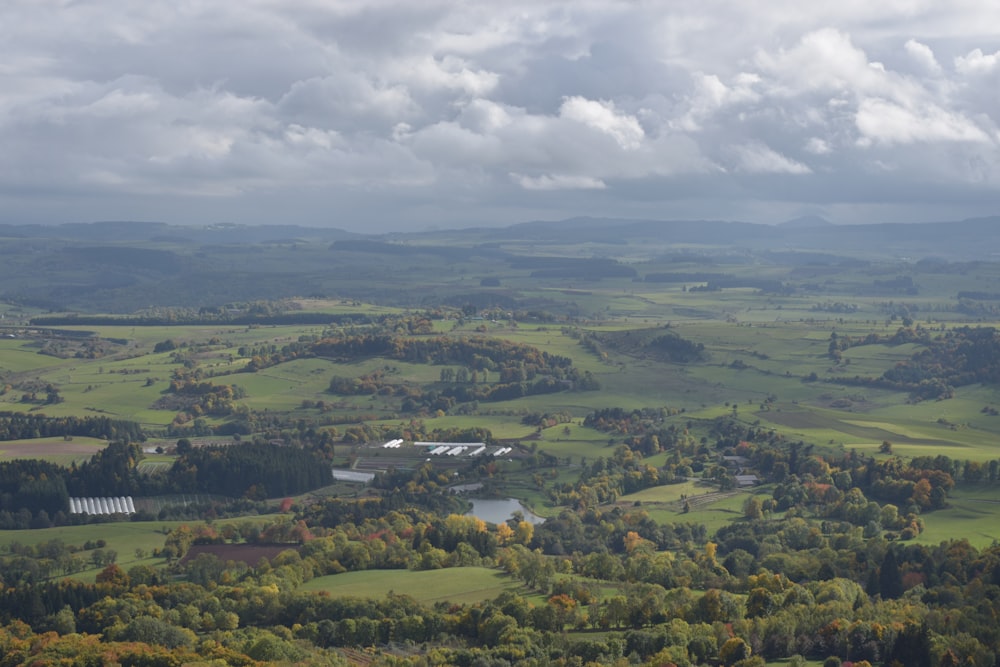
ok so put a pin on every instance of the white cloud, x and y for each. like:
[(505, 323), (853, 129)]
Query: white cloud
[(558, 182), (881, 121), (923, 55), (603, 116), (756, 158), (825, 60), (818, 146), (977, 62)]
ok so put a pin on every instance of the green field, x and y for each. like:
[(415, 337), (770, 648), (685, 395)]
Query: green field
[(973, 514), (458, 584), (123, 537), (777, 349), (765, 363)]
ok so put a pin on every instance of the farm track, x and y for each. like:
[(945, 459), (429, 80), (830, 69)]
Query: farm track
[(706, 499), (356, 657)]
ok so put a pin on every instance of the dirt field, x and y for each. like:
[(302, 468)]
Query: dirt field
[(56, 450)]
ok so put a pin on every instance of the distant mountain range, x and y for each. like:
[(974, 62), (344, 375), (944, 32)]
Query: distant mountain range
[(970, 239)]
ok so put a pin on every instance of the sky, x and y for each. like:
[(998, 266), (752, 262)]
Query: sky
[(387, 115)]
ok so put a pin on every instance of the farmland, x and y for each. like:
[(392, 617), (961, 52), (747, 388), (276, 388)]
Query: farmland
[(682, 429), (463, 584)]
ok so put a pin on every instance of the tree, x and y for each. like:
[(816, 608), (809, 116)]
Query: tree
[(733, 651), (890, 580), (753, 508), (114, 577), (165, 346), (524, 532)]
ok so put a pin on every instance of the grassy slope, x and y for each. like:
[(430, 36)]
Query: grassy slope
[(459, 584)]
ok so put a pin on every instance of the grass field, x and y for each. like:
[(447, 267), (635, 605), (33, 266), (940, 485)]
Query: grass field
[(463, 585), (757, 347), (778, 340), (123, 537), (973, 514)]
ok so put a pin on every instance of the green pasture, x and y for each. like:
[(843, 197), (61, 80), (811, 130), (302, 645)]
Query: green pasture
[(973, 514), (668, 493), (581, 443), (873, 360), (580, 403), (21, 355), (122, 537), (713, 514), (913, 430), (462, 585)]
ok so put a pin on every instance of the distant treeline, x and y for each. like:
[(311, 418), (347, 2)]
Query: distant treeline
[(716, 281), (668, 346), (129, 257), (686, 277), (521, 370), (480, 353), (593, 268), (20, 426), (491, 354), (897, 285), (677, 349), (382, 248), (206, 318), (980, 296), (762, 284)]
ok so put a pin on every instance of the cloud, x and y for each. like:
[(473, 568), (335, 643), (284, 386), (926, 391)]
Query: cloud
[(977, 62), (397, 113), (817, 146), (756, 158), (602, 116), (923, 55), (881, 121), (558, 182)]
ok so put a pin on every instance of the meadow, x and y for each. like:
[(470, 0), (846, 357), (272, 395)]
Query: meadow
[(463, 585), (765, 363)]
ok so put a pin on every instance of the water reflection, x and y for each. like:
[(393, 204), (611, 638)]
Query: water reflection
[(499, 510)]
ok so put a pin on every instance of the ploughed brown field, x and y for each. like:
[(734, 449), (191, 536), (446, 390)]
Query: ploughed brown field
[(56, 450)]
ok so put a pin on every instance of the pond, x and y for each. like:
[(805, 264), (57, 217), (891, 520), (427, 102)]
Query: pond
[(499, 510)]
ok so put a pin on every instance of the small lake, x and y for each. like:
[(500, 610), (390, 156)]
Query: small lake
[(498, 511)]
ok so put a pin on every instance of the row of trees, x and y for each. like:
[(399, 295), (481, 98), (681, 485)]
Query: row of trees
[(22, 426)]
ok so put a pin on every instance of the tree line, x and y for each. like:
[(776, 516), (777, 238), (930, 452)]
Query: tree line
[(21, 426)]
